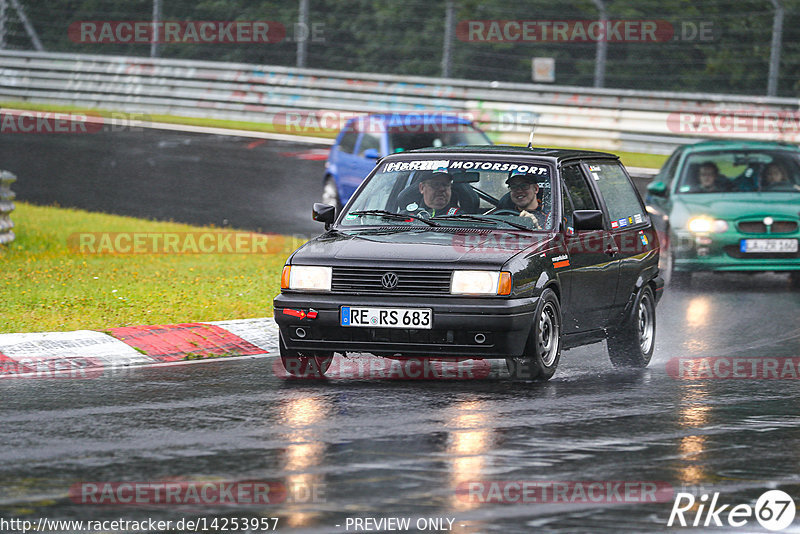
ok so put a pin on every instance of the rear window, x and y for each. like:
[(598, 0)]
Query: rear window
[(405, 138)]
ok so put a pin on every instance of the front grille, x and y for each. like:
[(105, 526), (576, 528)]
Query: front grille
[(409, 281), (735, 252), (758, 227)]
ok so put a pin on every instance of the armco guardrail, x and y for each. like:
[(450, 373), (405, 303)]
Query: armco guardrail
[(6, 207), (607, 119)]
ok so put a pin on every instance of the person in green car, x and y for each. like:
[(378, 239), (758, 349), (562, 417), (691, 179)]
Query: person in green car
[(709, 179)]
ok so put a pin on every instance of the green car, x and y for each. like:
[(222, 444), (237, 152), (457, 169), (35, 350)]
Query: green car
[(728, 206)]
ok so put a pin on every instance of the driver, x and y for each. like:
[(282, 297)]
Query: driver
[(524, 188), (437, 196)]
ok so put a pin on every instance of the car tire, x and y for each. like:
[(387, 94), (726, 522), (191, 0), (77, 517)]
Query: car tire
[(794, 280), (330, 194), (672, 277), (543, 346), (304, 364), (632, 345)]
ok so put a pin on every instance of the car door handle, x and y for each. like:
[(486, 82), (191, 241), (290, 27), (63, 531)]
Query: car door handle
[(612, 250)]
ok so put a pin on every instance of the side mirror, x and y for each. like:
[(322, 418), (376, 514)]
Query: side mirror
[(587, 220), (371, 153), (658, 189), (324, 213)]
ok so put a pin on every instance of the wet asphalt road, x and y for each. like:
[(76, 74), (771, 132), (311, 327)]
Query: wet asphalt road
[(379, 448), (383, 448)]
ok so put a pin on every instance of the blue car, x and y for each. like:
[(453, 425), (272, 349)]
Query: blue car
[(365, 139)]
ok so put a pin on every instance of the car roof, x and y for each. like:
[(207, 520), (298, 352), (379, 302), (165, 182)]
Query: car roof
[(557, 154), (739, 144)]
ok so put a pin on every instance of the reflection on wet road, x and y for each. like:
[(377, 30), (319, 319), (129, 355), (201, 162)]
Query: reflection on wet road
[(350, 448)]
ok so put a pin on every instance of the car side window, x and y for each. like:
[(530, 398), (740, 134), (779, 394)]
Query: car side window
[(369, 141), (348, 142), (577, 195), (622, 202), (667, 173), (577, 189)]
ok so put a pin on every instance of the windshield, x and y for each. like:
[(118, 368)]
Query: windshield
[(402, 139), (740, 171), (461, 191)]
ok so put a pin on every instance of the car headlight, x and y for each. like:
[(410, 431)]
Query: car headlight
[(480, 283), (306, 277), (704, 225)]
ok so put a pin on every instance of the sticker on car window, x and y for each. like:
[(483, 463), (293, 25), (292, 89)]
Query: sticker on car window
[(623, 222), (595, 168), (637, 218), (421, 165), (448, 165), (595, 176), (516, 168)]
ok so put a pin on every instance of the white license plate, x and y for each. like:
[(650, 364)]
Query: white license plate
[(421, 318), (768, 245)]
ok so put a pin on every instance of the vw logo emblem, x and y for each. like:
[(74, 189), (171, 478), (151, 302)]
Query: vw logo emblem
[(389, 280)]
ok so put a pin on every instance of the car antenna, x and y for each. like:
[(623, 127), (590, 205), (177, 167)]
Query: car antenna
[(530, 139)]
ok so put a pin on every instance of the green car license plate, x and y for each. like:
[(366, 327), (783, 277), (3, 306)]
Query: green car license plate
[(751, 246)]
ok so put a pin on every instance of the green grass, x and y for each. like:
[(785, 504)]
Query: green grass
[(48, 285)]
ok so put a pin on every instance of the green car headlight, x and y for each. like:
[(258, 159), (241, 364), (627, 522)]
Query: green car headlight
[(704, 225)]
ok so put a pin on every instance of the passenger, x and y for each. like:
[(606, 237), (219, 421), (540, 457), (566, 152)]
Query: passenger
[(709, 179), (775, 174), (524, 189)]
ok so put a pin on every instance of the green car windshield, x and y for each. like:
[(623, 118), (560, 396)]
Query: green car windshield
[(740, 171), (460, 191)]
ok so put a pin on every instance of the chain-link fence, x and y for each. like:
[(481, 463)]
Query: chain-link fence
[(715, 46)]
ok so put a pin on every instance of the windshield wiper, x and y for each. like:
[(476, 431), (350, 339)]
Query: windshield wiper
[(391, 215), (484, 219)]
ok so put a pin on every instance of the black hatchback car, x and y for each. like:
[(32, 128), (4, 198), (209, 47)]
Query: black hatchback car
[(477, 252)]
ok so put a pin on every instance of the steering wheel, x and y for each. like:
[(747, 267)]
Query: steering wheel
[(495, 211)]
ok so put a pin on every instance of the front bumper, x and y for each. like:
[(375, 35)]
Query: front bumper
[(504, 323), (721, 252)]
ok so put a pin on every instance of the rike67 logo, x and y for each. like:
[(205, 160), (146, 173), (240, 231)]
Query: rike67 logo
[(774, 510)]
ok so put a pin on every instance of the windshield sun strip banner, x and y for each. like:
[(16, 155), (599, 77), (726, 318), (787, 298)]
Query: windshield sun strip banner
[(465, 165)]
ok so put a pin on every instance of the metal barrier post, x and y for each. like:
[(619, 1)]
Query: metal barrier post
[(6, 207)]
